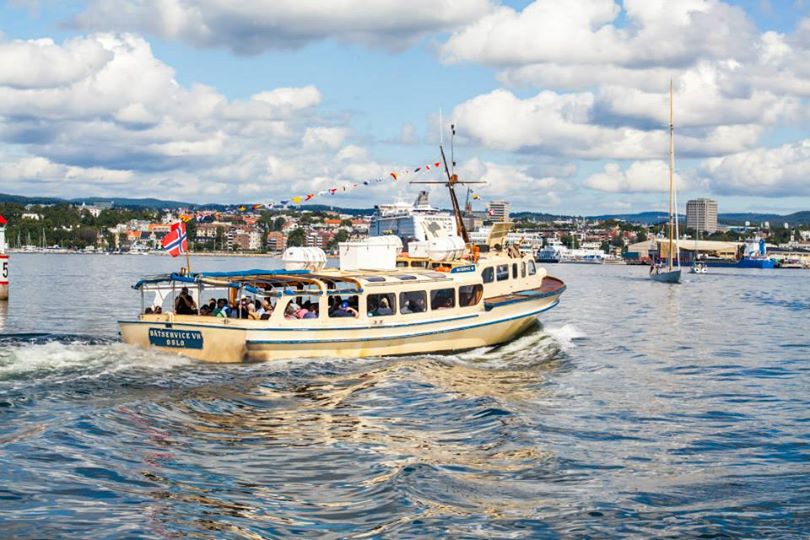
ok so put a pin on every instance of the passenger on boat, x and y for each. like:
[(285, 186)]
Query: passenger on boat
[(292, 309), (312, 312), (205, 311), (221, 309), (212, 306), (383, 308), (252, 314), (147, 311), (267, 309), (158, 310), (344, 310), (184, 303)]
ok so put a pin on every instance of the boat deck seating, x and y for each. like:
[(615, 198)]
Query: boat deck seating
[(550, 287)]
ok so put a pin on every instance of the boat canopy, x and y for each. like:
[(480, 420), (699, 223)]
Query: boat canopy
[(247, 279)]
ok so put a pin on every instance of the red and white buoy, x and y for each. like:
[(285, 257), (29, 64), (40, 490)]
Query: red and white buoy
[(3, 261)]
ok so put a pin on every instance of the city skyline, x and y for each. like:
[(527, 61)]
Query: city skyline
[(205, 103)]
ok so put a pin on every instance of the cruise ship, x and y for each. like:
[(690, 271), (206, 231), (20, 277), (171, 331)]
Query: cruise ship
[(417, 222)]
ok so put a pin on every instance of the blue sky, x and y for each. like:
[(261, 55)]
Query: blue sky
[(560, 107)]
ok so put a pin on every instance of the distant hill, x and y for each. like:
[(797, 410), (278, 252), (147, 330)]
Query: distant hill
[(117, 201), (802, 218), (647, 218), (125, 202), (540, 216)]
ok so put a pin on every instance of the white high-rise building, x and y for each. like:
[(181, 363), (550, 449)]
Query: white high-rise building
[(498, 210), (701, 215)]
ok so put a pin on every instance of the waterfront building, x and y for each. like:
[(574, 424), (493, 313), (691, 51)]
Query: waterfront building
[(701, 215), (498, 210), (276, 241)]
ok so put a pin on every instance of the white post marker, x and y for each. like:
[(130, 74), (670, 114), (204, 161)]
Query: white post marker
[(4, 271)]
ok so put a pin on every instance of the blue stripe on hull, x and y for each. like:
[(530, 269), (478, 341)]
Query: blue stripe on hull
[(404, 336)]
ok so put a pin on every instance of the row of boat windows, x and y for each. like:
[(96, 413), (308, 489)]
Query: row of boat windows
[(501, 272), (384, 304)]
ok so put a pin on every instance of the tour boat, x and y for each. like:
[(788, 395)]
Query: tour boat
[(444, 294), (431, 306)]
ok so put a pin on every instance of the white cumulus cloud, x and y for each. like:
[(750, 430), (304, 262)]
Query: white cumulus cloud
[(638, 177), (253, 26), (783, 171)]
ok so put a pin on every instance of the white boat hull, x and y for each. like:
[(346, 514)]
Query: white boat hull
[(237, 340)]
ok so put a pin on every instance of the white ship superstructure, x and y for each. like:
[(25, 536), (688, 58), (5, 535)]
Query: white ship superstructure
[(412, 222)]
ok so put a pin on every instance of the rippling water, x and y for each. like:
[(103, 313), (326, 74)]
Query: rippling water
[(637, 409)]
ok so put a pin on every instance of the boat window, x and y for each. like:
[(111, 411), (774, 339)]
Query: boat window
[(523, 269), (488, 275), (532, 269), (443, 299), (412, 302), (470, 295), (373, 279), (343, 306), (402, 264), (303, 307), (514, 270), (503, 272), (380, 305), (406, 277), (418, 264)]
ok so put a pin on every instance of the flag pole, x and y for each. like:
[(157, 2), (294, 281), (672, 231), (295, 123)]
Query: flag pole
[(188, 256)]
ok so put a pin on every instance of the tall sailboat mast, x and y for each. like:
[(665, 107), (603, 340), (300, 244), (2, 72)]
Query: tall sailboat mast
[(671, 167)]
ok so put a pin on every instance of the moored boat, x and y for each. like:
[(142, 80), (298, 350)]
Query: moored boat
[(548, 255)]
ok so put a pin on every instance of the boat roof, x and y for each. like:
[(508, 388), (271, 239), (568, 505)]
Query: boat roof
[(333, 279)]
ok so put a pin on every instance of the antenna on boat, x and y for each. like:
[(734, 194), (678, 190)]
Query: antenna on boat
[(452, 180), (441, 128), (452, 146)]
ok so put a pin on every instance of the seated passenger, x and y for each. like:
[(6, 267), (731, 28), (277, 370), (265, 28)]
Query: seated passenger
[(418, 305), (184, 303), (222, 308), (158, 310), (251, 312), (343, 310), (292, 309), (147, 311), (312, 312), (384, 308)]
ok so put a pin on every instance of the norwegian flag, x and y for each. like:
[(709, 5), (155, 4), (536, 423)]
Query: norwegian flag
[(176, 242)]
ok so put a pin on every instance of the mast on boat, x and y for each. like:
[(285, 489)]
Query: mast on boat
[(452, 180), (673, 219)]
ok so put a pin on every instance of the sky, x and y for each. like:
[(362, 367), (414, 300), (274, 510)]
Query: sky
[(559, 107)]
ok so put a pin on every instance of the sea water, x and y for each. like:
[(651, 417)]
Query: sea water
[(637, 409)]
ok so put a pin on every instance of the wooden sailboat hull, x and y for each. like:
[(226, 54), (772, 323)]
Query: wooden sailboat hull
[(673, 276)]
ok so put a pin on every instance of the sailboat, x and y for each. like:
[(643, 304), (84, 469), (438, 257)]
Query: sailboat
[(698, 267), (671, 273)]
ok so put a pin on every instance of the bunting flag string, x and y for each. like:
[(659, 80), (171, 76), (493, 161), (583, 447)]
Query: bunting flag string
[(394, 176)]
